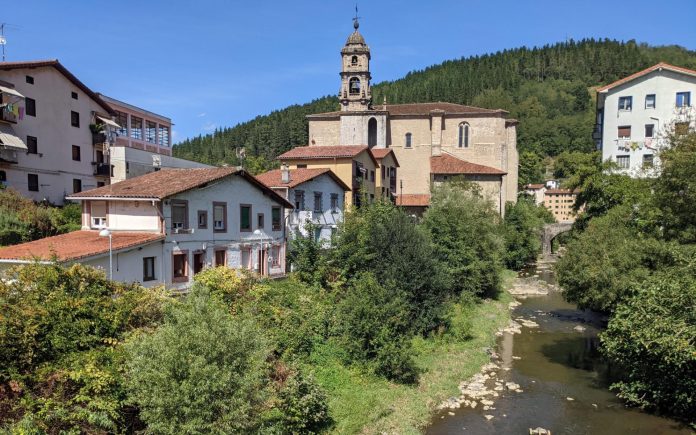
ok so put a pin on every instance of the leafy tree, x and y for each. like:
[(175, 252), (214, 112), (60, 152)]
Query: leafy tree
[(202, 371), (308, 256), (302, 405), (523, 225), (466, 236), (531, 169), (576, 166), (652, 339)]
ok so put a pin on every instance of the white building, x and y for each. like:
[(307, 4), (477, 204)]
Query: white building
[(58, 137), (635, 114), (536, 191), (317, 195), (168, 225)]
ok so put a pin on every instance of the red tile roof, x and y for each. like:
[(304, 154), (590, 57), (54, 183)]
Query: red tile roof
[(323, 152), (561, 191), (380, 153), (448, 164), (660, 65), (297, 176), (419, 109), (413, 200), (167, 182), (75, 245), (57, 65)]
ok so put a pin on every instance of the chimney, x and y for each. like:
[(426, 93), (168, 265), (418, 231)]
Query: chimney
[(285, 174), (384, 103)]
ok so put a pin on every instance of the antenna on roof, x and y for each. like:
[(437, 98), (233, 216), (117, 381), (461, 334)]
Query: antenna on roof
[(3, 41)]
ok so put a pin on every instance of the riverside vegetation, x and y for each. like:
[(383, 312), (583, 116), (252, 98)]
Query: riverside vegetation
[(633, 256), (368, 336)]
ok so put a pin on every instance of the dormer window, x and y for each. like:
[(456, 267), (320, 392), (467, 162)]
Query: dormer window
[(354, 60), (354, 86)]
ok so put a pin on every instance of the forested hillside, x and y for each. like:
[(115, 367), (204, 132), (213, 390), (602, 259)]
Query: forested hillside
[(549, 89)]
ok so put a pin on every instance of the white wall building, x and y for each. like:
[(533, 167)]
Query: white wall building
[(168, 225), (635, 114), (317, 195)]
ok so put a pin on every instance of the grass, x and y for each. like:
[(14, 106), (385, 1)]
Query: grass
[(363, 403)]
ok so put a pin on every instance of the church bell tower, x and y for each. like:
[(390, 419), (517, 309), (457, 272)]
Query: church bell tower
[(355, 94)]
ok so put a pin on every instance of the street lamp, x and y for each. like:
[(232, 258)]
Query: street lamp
[(107, 233)]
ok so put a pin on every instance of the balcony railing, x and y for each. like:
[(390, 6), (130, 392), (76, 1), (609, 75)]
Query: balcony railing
[(102, 169), (98, 138), (8, 155), (8, 117)]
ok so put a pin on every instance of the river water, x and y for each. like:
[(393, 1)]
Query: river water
[(564, 381)]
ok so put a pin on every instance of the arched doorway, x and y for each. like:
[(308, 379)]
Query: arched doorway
[(371, 132)]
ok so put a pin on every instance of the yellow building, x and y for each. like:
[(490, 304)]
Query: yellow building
[(560, 202), (353, 164), (385, 182)]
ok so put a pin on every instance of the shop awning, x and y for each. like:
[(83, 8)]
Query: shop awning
[(108, 121), (8, 137), (6, 90)]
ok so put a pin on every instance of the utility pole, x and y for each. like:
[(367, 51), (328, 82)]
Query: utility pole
[(3, 41)]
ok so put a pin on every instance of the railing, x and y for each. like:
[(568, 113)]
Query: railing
[(102, 169), (8, 155), (98, 138), (7, 116)]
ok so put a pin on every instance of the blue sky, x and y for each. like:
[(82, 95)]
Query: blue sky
[(209, 64)]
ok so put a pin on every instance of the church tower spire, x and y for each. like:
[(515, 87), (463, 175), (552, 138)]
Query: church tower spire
[(355, 94)]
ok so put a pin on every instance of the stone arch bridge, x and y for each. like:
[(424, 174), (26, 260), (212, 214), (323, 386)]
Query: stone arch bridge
[(550, 232)]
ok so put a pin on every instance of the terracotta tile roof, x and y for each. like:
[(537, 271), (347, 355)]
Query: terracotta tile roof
[(380, 153), (448, 164), (167, 182), (660, 65), (419, 109), (57, 65), (561, 191), (535, 186), (323, 152), (297, 176), (75, 245), (413, 200)]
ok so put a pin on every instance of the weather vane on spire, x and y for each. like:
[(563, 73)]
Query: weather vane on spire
[(355, 20)]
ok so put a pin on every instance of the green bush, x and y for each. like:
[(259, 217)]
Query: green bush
[(652, 339), (523, 225), (308, 257), (302, 405), (202, 371)]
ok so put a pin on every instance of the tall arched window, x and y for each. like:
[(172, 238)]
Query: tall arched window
[(354, 60), (464, 133), (407, 143), (371, 132), (354, 86)]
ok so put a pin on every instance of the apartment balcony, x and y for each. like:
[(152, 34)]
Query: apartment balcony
[(8, 155), (8, 117), (98, 138), (633, 145), (102, 169)]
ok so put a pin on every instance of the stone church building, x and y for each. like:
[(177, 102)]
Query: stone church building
[(432, 142)]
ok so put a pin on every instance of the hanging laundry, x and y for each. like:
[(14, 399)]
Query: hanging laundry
[(15, 110), (21, 113)]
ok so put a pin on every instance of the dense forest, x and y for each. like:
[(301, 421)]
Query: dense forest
[(549, 89)]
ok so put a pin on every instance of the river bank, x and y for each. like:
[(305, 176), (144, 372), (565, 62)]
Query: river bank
[(546, 373), (361, 403)]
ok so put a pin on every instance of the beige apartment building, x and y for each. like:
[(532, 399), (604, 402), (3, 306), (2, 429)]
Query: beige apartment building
[(58, 137), (432, 142), (560, 202)]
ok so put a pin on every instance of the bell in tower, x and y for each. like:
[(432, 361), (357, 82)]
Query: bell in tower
[(355, 94)]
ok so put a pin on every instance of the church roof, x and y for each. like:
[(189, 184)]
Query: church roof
[(420, 109), (448, 164), (355, 38)]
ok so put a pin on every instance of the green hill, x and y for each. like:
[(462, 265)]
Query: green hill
[(549, 89)]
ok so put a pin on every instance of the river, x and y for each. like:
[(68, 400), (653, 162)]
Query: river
[(562, 378)]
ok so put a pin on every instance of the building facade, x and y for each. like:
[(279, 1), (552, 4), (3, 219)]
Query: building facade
[(636, 114), (168, 225), (318, 198), (416, 132), (560, 202)]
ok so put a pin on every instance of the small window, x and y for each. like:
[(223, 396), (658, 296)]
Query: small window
[(384, 172), (463, 135), (148, 269), (334, 202), (275, 256), (648, 161), (220, 217), (98, 214), (3, 177), (626, 103), (220, 257), (299, 200), (276, 219), (372, 176), (150, 131), (260, 220), (407, 143), (245, 218), (73, 95), (76, 153), (33, 182), (198, 262), (246, 258), (76, 185), (650, 101), (74, 118), (318, 206), (30, 106), (29, 79), (32, 145), (354, 60), (683, 99), (136, 127), (202, 219), (624, 162), (624, 132), (180, 269), (179, 214), (649, 130), (354, 86), (301, 166)]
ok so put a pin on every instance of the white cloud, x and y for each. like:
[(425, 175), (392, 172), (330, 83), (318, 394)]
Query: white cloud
[(209, 126), (200, 115)]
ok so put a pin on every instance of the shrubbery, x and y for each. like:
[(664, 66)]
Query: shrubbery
[(522, 228)]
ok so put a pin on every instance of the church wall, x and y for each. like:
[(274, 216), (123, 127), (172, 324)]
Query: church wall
[(353, 129), (324, 132), (512, 180)]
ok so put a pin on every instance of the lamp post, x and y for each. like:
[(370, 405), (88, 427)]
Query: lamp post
[(107, 233)]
